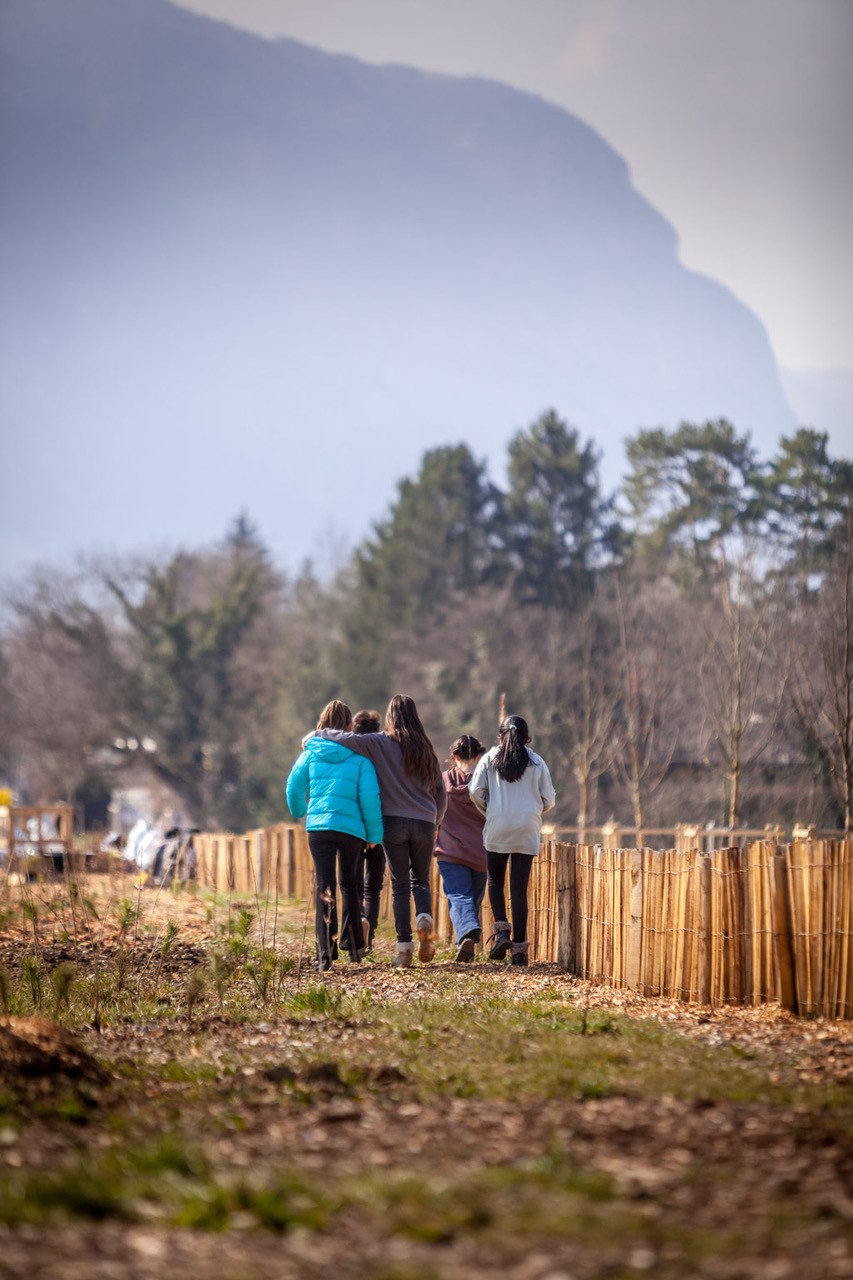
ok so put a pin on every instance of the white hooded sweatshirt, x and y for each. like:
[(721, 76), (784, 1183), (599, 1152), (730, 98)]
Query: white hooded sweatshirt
[(513, 809)]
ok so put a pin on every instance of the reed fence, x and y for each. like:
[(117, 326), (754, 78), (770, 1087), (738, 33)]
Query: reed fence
[(277, 861), (742, 926), (760, 923), (685, 835)]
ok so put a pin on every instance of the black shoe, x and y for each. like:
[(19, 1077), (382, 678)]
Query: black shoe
[(520, 958), (501, 944), (465, 950), (322, 965)]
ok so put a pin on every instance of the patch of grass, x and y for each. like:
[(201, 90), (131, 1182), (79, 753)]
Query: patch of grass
[(187, 1072), (545, 1199), (166, 1181), (503, 1048), (50, 1197), (316, 999)]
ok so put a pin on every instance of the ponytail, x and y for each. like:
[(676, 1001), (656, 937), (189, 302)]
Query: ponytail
[(512, 758)]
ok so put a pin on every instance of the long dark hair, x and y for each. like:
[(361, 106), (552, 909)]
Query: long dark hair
[(512, 758), (403, 723), (335, 715)]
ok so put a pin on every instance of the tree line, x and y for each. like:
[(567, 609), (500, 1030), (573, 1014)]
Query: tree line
[(682, 648)]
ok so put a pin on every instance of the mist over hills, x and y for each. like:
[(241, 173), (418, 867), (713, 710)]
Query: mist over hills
[(241, 274)]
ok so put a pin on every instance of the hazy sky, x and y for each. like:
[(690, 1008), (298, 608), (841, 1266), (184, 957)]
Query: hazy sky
[(735, 117)]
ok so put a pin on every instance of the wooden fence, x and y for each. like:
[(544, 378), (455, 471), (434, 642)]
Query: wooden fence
[(684, 836), (736, 926), (742, 925), (277, 861)]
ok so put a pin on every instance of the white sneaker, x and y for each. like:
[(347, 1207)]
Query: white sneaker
[(402, 957), (426, 946)]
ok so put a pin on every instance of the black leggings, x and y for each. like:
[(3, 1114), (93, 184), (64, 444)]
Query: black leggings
[(371, 874), (519, 875), (336, 856)]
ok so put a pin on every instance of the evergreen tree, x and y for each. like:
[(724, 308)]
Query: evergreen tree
[(440, 537), (689, 492), (554, 523), (801, 501)]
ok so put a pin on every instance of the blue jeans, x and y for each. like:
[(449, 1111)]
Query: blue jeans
[(465, 888), (408, 844)]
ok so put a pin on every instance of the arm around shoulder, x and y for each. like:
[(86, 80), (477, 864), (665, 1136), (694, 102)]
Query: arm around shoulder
[(363, 744)]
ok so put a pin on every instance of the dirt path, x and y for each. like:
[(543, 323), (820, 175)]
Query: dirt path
[(446, 1122)]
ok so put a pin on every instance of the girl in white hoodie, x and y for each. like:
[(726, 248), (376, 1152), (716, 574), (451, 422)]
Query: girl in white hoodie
[(513, 788)]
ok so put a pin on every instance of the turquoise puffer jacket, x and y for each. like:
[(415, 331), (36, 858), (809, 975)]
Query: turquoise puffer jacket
[(337, 789)]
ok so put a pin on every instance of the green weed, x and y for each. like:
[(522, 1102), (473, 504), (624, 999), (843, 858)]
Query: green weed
[(319, 999)]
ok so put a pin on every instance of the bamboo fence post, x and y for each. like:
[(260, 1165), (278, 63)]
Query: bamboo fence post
[(715, 882), (663, 879), (635, 919), (606, 909), (745, 905), (257, 863), (593, 962), (646, 933), (289, 863), (658, 862), (784, 930), (811, 929), (684, 864), (737, 899), (649, 888), (567, 907), (847, 927), (829, 931), (845, 951), (770, 964), (582, 928), (801, 918), (704, 934), (615, 915), (214, 863)]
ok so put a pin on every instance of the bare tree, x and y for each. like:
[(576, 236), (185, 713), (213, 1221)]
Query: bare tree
[(645, 679), (823, 671), (741, 719), (57, 710), (575, 705)]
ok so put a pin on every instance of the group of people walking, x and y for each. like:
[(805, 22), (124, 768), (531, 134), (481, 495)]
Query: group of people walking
[(373, 797)]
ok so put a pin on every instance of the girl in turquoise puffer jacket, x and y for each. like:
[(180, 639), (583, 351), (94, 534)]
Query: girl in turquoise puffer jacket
[(338, 794)]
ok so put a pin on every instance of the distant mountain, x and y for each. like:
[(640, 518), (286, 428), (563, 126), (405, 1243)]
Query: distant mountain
[(246, 274), (824, 401)]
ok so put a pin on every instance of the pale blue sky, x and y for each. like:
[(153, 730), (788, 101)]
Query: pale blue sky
[(735, 117)]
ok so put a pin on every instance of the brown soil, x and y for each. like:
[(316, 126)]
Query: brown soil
[(774, 1184)]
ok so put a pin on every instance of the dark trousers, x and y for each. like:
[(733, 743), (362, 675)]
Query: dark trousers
[(371, 874), (336, 857), (408, 845), (520, 865)]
